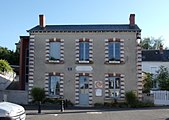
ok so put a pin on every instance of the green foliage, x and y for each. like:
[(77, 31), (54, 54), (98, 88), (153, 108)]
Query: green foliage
[(163, 78), (4, 66), (38, 94), (10, 56), (148, 83), (57, 101), (131, 98), (151, 43)]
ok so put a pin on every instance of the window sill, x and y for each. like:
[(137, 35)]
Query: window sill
[(54, 61), (84, 62), (114, 62), (117, 62)]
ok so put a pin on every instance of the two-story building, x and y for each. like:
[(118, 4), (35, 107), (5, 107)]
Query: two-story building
[(85, 64)]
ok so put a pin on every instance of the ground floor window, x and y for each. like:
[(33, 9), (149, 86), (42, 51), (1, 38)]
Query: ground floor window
[(54, 85), (114, 87)]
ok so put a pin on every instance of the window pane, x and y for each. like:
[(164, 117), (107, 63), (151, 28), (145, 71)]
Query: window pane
[(111, 51), (84, 51), (111, 83), (117, 83), (55, 50), (54, 85), (117, 51)]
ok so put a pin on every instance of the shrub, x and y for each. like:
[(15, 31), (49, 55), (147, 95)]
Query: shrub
[(131, 98), (98, 104), (38, 94)]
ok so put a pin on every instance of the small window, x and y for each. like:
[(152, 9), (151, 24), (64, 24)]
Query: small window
[(114, 51), (54, 51), (54, 85)]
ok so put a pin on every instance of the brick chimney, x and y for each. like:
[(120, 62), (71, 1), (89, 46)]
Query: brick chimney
[(42, 21), (161, 49), (132, 20)]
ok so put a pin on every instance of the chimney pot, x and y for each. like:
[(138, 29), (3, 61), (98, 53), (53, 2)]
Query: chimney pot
[(42, 21), (161, 49), (132, 20)]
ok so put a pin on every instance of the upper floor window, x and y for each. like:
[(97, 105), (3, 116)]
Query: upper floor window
[(84, 51), (114, 51), (114, 87), (54, 52), (54, 85)]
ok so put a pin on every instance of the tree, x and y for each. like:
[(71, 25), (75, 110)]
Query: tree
[(10, 56), (163, 78), (38, 94), (4, 66), (151, 43), (146, 43), (148, 83)]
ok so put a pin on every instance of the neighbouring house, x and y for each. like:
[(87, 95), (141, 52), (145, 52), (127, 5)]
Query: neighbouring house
[(85, 64), (152, 60)]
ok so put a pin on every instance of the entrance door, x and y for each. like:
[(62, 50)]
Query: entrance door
[(84, 91)]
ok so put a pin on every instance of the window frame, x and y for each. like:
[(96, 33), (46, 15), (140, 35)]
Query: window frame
[(84, 52), (58, 50), (58, 89), (114, 89), (114, 52)]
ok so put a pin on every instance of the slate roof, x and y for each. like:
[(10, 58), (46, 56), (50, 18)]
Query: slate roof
[(101, 27), (155, 55)]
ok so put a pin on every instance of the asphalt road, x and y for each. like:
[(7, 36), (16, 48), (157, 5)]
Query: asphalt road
[(149, 114)]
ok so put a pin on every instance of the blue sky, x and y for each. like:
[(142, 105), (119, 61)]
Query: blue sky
[(17, 16)]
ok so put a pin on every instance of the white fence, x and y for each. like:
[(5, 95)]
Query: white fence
[(161, 97)]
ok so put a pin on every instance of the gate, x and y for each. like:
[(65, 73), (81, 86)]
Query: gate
[(161, 97)]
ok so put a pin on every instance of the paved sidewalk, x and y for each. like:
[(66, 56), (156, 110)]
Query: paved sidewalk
[(100, 114), (52, 109)]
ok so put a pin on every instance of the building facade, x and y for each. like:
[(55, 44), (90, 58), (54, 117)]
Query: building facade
[(85, 64), (152, 60)]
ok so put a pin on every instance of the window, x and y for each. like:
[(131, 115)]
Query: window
[(54, 51), (114, 87), (54, 85), (84, 84), (154, 76), (114, 51), (84, 51)]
